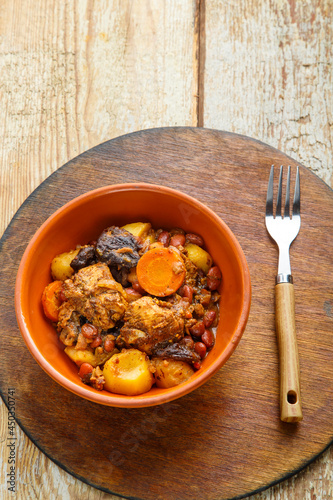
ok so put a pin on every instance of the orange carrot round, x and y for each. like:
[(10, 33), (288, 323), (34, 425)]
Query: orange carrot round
[(161, 271), (51, 300)]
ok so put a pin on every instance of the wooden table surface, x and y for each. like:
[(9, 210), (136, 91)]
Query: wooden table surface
[(77, 73)]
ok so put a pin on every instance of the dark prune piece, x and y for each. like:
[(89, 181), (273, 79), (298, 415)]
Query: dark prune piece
[(178, 352), (84, 258), (117, 247)]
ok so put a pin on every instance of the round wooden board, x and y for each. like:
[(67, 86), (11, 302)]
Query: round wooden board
[(225, 439)]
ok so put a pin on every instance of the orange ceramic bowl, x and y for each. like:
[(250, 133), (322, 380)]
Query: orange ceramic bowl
[(82, 220)]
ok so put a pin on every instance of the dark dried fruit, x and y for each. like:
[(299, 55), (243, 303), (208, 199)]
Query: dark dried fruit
[(117, 247)]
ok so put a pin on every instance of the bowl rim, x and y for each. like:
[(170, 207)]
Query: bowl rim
[(172, 393)]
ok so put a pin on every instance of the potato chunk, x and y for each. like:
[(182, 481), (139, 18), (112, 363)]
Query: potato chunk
[(199, 257), (139, 229), (171, 372), (60, 265), (81, 356), (128, 373)]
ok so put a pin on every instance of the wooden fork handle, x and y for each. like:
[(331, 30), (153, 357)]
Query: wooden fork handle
[(290, 394)]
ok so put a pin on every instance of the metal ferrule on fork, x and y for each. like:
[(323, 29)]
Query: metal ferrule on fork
[(284, 278)]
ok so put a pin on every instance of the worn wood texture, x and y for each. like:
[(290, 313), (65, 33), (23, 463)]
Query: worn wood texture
[(77, 73), (268, 74)]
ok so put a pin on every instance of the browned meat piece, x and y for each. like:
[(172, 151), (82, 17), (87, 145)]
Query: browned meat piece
[(94, 294), (117, 247), (191, 272), (68, 324), (149, 321)]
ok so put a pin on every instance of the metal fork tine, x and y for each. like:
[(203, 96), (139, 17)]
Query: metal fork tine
[(287, 203), (279, 197), (297, 196), (269, 199)]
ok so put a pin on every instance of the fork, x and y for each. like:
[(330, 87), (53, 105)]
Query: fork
[(283, 229)]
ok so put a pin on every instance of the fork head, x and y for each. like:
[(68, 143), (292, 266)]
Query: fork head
[(297, 196), (283, 227)]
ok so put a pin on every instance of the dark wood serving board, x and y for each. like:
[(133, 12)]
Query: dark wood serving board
[(225, 439)]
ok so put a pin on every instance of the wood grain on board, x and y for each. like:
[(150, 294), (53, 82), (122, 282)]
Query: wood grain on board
[(77, 73), (226, 438)]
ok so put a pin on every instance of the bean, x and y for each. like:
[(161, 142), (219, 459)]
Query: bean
[(177, 240), (208, 339), (96, 342), (164, 237), (138, 288), (209, 317), (197, 365), (109, 344), (201, 349), (195, 239), (85, 369), (89, 331), (214, 278), (187, 292), (198, 329)]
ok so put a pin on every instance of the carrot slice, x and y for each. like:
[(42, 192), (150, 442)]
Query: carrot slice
[(161, 271), (51, 300)]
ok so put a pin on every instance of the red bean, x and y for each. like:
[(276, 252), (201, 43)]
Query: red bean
[(85, 368), (201, 349), (197, 365), (186, 291), (198, 329), (138, 288), (209, 317), (214, 278), (96, 342), (109, 344), (208, 339), (89, 331), (195, 239), (164, 237), (177, 239)]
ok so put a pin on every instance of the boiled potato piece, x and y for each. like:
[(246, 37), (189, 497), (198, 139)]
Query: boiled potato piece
[(60, 265), (139, 229), (128, 373), (199, 257), (81, 356), (171, 372)]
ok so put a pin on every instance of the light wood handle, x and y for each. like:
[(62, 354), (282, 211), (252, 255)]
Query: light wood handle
[(290, 394)]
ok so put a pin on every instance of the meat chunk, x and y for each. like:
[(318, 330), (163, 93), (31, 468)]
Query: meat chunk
[(117, 247), (148, 322), (93, 293), (68, 324)]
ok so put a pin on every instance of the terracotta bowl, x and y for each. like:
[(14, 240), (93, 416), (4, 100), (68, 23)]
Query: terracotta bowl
[(82, 220)]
